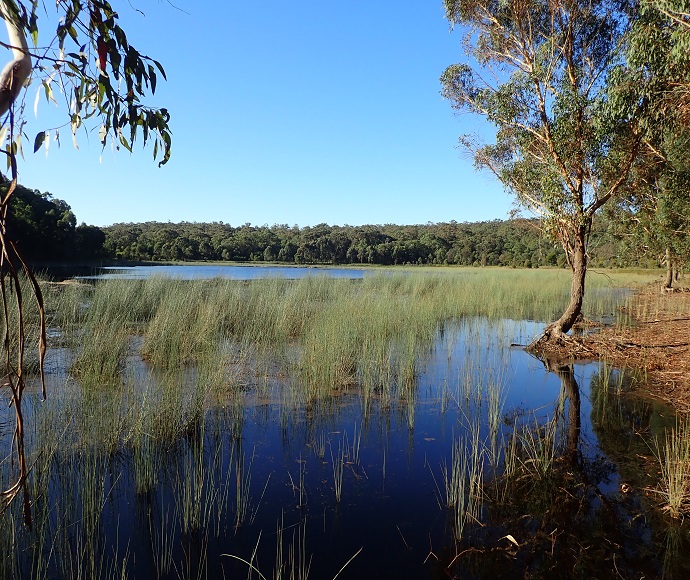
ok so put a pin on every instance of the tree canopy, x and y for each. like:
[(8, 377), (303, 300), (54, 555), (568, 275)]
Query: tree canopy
[(537, 71)]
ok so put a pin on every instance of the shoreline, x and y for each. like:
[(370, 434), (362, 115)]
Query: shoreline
[(656, 344)]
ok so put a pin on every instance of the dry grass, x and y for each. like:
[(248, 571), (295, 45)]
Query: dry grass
[(657, 344)]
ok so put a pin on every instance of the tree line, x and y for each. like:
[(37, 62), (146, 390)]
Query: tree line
[(45, 229), (515, 243), (492, 243)]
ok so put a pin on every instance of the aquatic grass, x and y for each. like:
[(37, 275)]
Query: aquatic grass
[(194, 562), (100, 419), (674, 553), (451, 476), (495, 392), (244, 511), (606, 388), (464, 481), (319, 445), (511, 467), (162, 542), (79, 540), (299, 490), (172, 406), (538, 446), (296, 566), (217, 498), (341, 332), (352, 450), (104, 348), (673, 455), (245, 340), (145, 464), (338, 467), (184, 329), (192, 481)]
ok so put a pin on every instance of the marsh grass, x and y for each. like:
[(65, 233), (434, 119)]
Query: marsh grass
[(295, 565), (163, 542), (104, 348), (673, 455), (538, 446), (338, 466), (206, 345), (319, 445), (326, 333), (146, 464), (606, 388), (464, 481), (495, 393), (245, 510)]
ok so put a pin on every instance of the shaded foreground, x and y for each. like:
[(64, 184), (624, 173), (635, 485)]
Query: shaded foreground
[(377, 428)]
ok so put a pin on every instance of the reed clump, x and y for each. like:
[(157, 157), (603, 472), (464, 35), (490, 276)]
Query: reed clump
[(463, 482), (333, 332), (673, 455)]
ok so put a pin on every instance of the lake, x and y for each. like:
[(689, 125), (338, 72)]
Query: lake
[(229, 271), (251, 461)]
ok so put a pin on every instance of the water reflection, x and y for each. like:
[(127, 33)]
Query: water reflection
[(261, 470), (231, 272), (570, 393)]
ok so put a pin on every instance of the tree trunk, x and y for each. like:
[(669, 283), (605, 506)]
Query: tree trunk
[(668, 283), (578, 265), (571, 390)]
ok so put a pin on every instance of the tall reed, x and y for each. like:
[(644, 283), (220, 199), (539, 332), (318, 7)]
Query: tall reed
[(338, 466), (673, 455), (464, 481)]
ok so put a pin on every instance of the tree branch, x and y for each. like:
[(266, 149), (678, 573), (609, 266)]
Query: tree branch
[(16, 73)]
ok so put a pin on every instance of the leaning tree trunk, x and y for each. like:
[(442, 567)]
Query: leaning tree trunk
[(578, 265)]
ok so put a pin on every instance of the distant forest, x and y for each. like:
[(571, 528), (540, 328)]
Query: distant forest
[(46, 231), (45, 228)]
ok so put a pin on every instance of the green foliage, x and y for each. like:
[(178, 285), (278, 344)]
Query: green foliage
[(45, 228), (654, 216), (493, 243), (554, 146), (102, 77)]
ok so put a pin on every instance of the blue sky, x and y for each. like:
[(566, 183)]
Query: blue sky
[(298, 113)]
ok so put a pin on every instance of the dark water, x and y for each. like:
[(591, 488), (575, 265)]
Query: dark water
[(575, 522), (232, 272)]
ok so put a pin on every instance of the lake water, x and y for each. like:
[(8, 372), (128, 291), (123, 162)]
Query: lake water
[(268, 460), (232, 272)]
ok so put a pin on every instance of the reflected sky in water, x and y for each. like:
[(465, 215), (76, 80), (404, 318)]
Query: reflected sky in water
[(231, 272), (392, 483)]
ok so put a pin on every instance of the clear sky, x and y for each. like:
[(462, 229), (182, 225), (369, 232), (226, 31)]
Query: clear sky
[(295, 112)]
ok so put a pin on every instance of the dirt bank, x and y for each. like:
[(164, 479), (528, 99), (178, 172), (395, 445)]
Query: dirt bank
[(657, 344)]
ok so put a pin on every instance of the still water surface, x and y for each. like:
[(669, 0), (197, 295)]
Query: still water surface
[(280, 453), (270, 479), (232, 272)]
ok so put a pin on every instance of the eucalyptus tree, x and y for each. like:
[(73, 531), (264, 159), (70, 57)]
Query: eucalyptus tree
[(73, 51), (653, 217), (658, 71), (537, 71)]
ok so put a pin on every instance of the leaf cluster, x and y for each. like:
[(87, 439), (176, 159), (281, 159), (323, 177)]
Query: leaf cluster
[(99, 73), (538, 72)]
